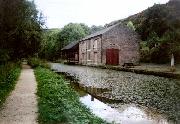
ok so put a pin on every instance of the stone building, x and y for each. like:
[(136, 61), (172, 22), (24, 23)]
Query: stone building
[(115, 45)]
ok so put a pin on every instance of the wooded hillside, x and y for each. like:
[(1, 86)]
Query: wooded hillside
[(159, 28)]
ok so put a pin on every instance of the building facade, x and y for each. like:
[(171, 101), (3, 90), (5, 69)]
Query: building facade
[(114, 45)]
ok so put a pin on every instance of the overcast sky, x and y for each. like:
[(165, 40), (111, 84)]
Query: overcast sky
[(90, 12)]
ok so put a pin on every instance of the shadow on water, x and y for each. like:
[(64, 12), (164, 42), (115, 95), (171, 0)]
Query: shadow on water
[(112, 110)]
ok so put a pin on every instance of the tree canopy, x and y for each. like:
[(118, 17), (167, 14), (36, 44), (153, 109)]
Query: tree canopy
[(50, 43), (20, 27), (95, 28), (159, 28), (55, 39), (73, 32)]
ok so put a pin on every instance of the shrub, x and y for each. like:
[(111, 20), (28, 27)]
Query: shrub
[(4, 56), (8, 76), (35, 62), (160, 54)]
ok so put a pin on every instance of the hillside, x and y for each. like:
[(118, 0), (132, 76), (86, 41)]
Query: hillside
[(172, 9), (159, 28)]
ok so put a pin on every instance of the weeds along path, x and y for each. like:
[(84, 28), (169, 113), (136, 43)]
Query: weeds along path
[(21, 106)]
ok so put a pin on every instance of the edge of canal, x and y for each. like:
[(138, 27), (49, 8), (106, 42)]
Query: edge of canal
[(139, 71)]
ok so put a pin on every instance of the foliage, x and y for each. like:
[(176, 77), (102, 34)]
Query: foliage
[(86, 29), (50, 44), (159, 26), (95, 28), (155, 21), (58, 103), (55, 39), (8, 76), (144, 52), (131, 25), (20, 27), (4, 56), (72, 32), (36, 62)]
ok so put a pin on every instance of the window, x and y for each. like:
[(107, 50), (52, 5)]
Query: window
[(95, 44), (88, 56), (89, 45), (95, 58), (83, 56)]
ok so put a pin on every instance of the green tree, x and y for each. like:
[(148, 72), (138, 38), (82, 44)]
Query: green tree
[(72, 32), (55, 39), (87, 30), (50, 44), (20, 28), (154, 21), (172, 38), (95, 28), (159, 26)]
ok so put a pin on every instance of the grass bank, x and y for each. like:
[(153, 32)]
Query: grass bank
[(36, 62), (58, 103), (8, 76)]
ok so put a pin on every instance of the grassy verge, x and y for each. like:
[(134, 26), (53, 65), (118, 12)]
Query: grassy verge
[(8, 76), (58, 103), (36, 62)]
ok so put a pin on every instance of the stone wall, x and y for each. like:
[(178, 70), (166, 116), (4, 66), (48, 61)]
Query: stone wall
[(122, 38), (90, 51)]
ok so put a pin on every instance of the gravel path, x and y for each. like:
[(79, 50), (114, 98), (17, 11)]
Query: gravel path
[(21, 106)]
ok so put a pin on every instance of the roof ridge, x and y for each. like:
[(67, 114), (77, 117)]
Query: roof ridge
[(100, 32)]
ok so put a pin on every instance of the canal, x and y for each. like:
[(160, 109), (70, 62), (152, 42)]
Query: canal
[(124, 97)]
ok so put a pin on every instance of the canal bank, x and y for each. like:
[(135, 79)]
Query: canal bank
[(156, 70), (58, 103), (114, 111), (153, 92)]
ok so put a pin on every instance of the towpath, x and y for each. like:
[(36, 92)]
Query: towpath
[(21, 106)]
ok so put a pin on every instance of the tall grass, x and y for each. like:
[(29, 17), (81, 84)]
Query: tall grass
[(58, 103), (8, 76)]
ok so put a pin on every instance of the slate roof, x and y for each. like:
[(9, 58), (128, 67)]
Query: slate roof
[(99, 32), (70, 45)]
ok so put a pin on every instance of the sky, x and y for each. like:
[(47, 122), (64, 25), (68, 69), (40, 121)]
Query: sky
[(91, 12)]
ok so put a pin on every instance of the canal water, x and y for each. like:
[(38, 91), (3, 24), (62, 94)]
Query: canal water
[(123, 97)]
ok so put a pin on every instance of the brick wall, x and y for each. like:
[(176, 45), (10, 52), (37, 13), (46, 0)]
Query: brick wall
[(124, 39)]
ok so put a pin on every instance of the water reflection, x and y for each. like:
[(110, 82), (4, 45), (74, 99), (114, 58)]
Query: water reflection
[(130, 114), (158, 94), (101, 110)]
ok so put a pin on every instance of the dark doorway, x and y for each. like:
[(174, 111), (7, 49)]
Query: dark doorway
[(112, 56)]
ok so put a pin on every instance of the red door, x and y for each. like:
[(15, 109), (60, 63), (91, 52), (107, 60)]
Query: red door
[(112, 56)]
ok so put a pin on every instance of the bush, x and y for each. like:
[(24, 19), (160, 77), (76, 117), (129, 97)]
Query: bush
[(58, 103), (160, 54), (4, 56), (35, 62), (8, 76), (145, 56)]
